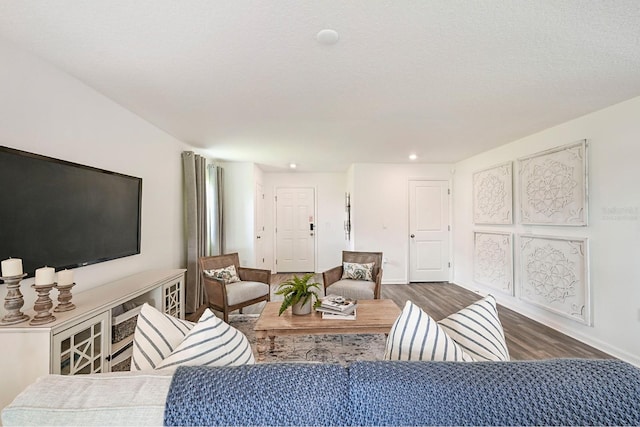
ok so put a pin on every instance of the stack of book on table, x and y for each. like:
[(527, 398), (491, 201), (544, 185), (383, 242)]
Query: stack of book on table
[(337, 307)]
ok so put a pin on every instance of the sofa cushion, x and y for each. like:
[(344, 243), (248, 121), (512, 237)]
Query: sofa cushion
[(557, 392), (113, 399), (354, 289), (416, 336), (225, 274), (211, 342), (478, 330), (156, 335), (268, 394), (244, 291), (356, 271)]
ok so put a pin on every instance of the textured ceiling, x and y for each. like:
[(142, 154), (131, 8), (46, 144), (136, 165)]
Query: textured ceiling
[(248, 81)]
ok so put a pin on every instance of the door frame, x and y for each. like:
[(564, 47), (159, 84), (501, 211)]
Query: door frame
[(449, 182), (274, 235), (258, 197)]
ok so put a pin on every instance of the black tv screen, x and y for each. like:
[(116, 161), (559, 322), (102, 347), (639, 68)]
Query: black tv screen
[(64, 215)]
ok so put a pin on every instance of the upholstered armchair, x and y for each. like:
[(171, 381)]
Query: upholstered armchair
[(226, 294), (336, 280)]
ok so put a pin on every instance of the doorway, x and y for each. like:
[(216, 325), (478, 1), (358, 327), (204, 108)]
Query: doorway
[(428, 231), (295, 230)]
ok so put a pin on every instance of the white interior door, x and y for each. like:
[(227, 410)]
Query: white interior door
[(295, 234), (428, 231), (259, 238)]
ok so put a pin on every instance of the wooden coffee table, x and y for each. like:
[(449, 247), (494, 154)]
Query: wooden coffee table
[(373, 317)]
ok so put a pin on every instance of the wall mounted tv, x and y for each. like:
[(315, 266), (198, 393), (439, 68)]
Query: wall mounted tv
[(65, 215)]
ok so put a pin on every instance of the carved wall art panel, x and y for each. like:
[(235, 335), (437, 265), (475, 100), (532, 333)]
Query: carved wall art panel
[(493, 195), (553, 186), (493, 260), (554, 275)]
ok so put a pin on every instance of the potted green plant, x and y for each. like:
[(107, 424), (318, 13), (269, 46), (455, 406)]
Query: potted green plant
[(298, 294)]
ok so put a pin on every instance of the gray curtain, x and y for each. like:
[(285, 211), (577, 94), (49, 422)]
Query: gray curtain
[(196, 225)]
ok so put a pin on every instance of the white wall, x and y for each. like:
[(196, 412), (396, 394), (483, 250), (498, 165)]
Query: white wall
[(613, 230), (238, 210), (330, 214), (46, 111), (380, 217)]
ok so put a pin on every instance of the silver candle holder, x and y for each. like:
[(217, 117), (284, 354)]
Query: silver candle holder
[(43, 305), (14, 301), (64, 298)]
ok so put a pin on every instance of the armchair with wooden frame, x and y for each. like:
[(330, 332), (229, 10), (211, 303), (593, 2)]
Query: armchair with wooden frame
[(355, 289), (253, 287)]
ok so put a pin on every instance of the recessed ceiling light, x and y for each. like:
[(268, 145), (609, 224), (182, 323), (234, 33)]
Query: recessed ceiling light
[(412, 157), (327, 37), (293, 165)]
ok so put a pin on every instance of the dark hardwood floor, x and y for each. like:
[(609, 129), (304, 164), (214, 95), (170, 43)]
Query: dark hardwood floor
[(526, 338)]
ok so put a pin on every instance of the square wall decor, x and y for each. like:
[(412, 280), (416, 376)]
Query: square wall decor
[(554, 275), (553, 186), (493, 260), (493, 195)]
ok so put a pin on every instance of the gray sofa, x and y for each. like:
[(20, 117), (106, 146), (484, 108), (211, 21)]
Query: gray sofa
[(551, 392)]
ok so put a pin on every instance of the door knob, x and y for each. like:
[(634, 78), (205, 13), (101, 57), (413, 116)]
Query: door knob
[(413, 235), (258, 237)]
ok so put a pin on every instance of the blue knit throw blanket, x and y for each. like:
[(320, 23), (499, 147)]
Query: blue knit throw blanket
[(551, 392)]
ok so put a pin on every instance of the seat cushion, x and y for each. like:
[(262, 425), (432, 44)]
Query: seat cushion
[(244, 291), (120, 399), (354, 289)]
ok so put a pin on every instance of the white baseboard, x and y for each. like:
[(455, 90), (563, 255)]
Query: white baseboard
[(512, 304)]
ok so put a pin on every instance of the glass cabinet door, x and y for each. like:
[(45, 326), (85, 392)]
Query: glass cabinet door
[(172, 301), (83, 348)]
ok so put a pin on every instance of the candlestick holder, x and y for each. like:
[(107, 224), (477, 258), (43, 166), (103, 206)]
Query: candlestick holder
[(14, 301), (64, 298), (43, 305)]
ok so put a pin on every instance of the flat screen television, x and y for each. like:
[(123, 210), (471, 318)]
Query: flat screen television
[(65, 215)]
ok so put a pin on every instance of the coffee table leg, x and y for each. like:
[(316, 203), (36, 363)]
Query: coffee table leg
[(262, 345)]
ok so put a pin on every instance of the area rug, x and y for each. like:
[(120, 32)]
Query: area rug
[(342, 349)]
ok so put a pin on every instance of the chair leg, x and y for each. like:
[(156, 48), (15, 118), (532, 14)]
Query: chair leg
[(225, 316)]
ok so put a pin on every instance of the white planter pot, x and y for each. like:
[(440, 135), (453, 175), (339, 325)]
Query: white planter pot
[(300, 309)]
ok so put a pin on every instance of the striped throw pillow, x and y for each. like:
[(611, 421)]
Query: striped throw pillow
[(211, 342), (416, 336), (156, 335), (478, 330)]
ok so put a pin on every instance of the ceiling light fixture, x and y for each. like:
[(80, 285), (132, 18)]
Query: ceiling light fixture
[(412, 157), (293, 165), (327, 37)]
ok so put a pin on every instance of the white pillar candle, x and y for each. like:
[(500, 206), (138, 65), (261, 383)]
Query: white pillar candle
[(45, 276), (11, 267), (65, 277)]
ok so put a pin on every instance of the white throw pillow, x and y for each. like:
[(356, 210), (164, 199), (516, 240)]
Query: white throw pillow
[(226, 274), (156, 335), (211, 342), (355, 271), (416, 336), (478, 330)]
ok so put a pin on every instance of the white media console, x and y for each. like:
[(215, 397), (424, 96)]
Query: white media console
[(80, 341)]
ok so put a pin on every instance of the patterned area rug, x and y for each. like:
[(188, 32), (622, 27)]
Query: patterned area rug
[(342, 349)]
